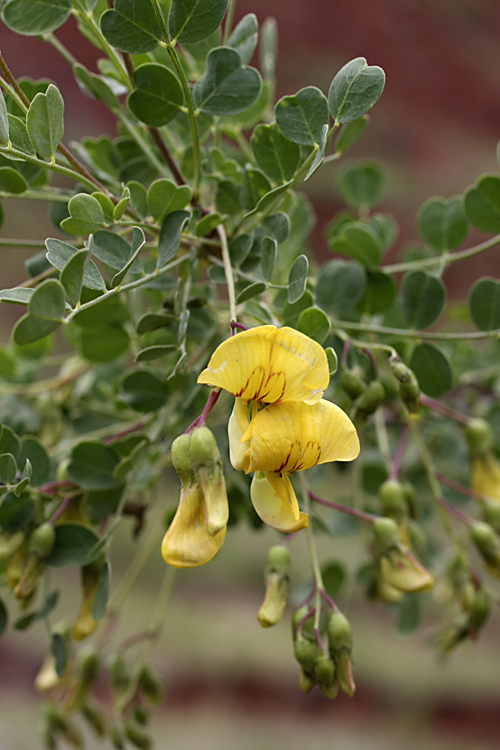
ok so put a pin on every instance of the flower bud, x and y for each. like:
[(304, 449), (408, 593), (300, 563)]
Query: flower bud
[(137, 737), (306, 652), (488, 544), (485, 475), (392, 498), (59, 724), (91, 577), (207, 465), (307, 629), (340, 647), (42, 541), (95, 718), (181, 458), (141, 715), (386, 533), (324, 675), (479, 436), (402, 570), (119, 675), (408, 386), (478, 613), (306, 682), (351, 382), (367, 403), (277, 577), (88, 664), (151, 685), (16, 565), (491, 514), (10, 543)]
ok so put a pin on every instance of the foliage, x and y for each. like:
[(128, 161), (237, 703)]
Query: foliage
[(185, 226)]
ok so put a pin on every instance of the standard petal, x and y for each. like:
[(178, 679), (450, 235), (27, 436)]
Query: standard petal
[(293, 436), (485, 475), (269, 364), (187, 542), (403, 571), (275, 511)]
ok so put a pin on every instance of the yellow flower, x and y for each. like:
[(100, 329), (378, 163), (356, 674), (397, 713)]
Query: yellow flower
[(187, 542), (283, 438), (485, 475), (269, 364), (401, 570)]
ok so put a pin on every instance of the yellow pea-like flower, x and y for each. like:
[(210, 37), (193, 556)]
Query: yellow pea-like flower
[(485, 475), (281, 439), (402, 570), (269, 364)]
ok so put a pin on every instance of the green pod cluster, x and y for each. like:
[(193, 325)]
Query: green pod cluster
[(386, 533), (352, 383), (367, 403), (479, 436), (408, 386), (392, 497), (340, 648)]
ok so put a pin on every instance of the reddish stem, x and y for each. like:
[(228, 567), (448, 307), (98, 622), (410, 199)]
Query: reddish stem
[(234, 325), (443, 409), (345, 352), (52, 487), (313, 591), (372, 359), (306, 617), (461, 488), (363, 515), (60, 510), (456, 513), (200, 421), (329, 601), (124, 433), (318, 638), (399, 453)]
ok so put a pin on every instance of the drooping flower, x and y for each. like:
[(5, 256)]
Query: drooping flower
[(199, 525), (269, 364), (283, 438)]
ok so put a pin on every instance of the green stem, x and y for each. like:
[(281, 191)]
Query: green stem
[(191, 117), (449, 258), (137, 135), (432, 335), (126, 287), (87, 20), (22, 243), (228, 273), (48, 165), (229, 21), (59, 46), (313, 554), (38, 195)]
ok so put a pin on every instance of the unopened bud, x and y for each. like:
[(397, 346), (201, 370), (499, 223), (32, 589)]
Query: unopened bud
[(95, 718), (409, 389), (491, 514), (478, 613), (116, 738), (141, 715), (324, 670), (479, 436), (386, 533), (119, 675), (306, 681), (402, 570), (58, 723), (352, 383), (151, 685), (369, 401), (208, 469), (392, 499), (42, 541), (10, 543), (181, 458), (88, 664), (339, 632), (488, 544), (277, 578), (137, 737), (16, 565), (308, 626), (306, 652)]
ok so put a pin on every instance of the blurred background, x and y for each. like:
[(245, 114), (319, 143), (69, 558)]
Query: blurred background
[(230, 683)]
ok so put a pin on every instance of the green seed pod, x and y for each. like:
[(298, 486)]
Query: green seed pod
[(491, 514), (95, 718), (137, 737), (408, 386), (386, 533), (42, 541), (352, 383), (339, 633), (306, 652), (306, 681), (392, 498), (330, 691), (479, 436), (277, 573)]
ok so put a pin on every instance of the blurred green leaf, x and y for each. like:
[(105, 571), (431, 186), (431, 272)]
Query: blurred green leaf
[(297, 279), (243, 37), (361, 184), (432, 368), (190, 21), (380, 292), (143, 391), (354, 90), (35, 17), (268, 255), (301, 117), (484, 304), (158, 96), (45, 313), (314, 323), (341, 284), (131, 27), (482, 204), (91, 465), (73, 545), (170, 236), (423, 299), (86, 215), (442, 223), (227, 86), (11, 181), (276, 155), (164, 197)]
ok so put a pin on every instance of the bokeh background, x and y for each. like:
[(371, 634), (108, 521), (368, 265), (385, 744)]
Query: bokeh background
[(230, 683)]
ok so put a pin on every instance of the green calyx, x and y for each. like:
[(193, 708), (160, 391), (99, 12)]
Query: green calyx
[(339, 633), (386, 533), (479, 436)]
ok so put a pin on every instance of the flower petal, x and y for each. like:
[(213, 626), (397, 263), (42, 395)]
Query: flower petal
[(238, 423), (293, 436), (269, 364), (403, 571), (485, 475), (187, 542), (275, 509)]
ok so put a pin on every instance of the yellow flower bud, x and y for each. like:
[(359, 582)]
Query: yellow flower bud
[(277, 578)]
